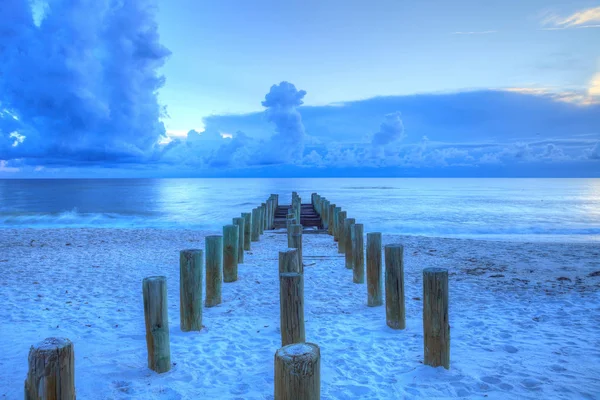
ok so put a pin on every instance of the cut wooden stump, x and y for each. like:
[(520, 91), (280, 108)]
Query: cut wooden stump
[(296, 243), (247, 230), (288, 261), (358, 253), (154, 289), (341, 232), (394, 286), (374, 287), (298, 372), (191, 269), (436, 327), (51, 373), (291, 307), (240, 222), (255, 223), (214, 269), (348, 226), (230, 253)]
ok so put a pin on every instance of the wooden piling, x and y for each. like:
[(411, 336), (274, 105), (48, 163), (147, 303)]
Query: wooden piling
[(330, 219), (336, 212), (191, 269), (51, 373), (247, 230), (254, 225), (394, 286), (296, 243), (261, 218), (340, 229), (358, 251), (374, 287), (214, 269), (348, 224), (230, 252), (291, 302), (240, 222), (154, 290), (288, 261), (436, 326), (293, 229), (325, 215), (298, 372)]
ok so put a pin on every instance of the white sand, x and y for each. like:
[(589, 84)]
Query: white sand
[(523, 334)]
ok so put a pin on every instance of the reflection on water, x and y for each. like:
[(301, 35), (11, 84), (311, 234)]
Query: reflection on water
[(498, 208)]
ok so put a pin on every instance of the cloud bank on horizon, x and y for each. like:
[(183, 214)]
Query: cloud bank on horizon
[(79, 82)]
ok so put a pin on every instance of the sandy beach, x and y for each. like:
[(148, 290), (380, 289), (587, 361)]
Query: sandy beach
[(524, 318)]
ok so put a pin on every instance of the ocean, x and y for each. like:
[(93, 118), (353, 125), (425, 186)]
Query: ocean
[(497, 209)]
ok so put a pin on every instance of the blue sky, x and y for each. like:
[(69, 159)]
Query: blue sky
[(234, 88)]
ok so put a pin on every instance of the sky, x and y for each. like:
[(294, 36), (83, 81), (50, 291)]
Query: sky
[(149, 88)]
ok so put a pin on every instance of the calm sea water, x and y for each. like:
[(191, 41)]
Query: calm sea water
[(523, 209)]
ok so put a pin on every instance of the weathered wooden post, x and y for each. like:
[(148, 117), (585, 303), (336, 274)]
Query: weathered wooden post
[(265, 216), (288, 261), (261, 218), (340, 230), (296, 243), (325, 215), (154, 290), (348, 226), (374, 288), (436, 326), (330, 216), (291, 303), (358, 249), (254, 225), (394, 286), (247, 230), (51, 373), (230, 252), (293, 229), (214, 269), (240, 222), (298, 372), (191, 269), (336, 212)]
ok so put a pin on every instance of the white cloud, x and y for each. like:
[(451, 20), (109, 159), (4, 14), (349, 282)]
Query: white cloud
[(588, 18)]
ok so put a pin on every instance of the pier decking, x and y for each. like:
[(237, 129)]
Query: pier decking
[(308, 217)]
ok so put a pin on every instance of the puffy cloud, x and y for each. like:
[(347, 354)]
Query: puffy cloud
[(287, 144), (80, 84)]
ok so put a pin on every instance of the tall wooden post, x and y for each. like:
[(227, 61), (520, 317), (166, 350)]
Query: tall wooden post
[(358, 249), (394, 286), (51, 374), (330, 219), (240, 222), (214, 269), (293, 229), (298, 372), (325, 215), (247, 230), (291, 307), (254, 225), (230, 252), (191, 269), (288, 261), (374, 287), (336, 213), (348, 226), (261, 218), (296, 243), (340, 229), (154, 290), (436, 326)]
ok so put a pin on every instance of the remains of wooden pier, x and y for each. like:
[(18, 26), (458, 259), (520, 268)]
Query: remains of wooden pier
[(297, 362)]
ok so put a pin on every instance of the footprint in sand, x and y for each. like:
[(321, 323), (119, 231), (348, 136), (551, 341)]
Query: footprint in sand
[(510, 349)]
